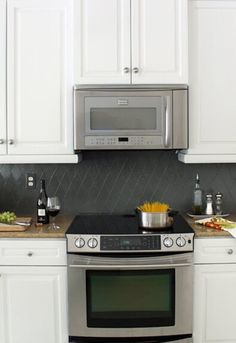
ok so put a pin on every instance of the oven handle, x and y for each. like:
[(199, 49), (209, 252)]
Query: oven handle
[(136, 266)]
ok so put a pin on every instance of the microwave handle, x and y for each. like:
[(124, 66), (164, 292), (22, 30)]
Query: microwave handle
[(167, 137)]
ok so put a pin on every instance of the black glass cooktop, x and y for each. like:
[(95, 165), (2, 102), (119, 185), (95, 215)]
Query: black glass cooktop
[(120, 224)]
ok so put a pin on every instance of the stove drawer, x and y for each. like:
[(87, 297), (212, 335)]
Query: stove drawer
[(33, 252), (215, 250)]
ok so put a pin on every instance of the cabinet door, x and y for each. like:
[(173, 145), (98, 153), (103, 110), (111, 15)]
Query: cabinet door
[(214, 303), (33, 305), (40, 71), (212, 79), (159, 41), (3, 76), (102, 41)]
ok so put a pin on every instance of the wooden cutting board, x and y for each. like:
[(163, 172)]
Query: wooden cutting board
[(14, 227)]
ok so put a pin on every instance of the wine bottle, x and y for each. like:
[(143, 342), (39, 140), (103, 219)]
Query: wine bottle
[(42, 214), (197, 197)]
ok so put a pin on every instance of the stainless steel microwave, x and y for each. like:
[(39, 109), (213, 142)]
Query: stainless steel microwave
[(130, 117)]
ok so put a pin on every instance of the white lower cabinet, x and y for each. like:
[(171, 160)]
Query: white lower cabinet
[(33, 298), (214, 291)]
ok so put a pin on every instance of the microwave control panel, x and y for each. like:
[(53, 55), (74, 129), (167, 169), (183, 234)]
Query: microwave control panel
[(94, 141)]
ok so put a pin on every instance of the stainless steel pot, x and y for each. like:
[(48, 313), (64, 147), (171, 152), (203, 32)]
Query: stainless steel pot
[(155, 220)]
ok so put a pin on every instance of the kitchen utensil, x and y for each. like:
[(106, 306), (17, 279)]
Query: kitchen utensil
[(20, 224), (202, 216)]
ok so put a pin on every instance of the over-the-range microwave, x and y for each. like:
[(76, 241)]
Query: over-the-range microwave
[(130, 117)]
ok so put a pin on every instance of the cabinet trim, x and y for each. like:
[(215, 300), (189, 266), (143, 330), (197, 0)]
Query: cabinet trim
[(11, 159), (201, 158)]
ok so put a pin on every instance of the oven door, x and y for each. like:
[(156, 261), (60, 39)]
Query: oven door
[(130, 296)]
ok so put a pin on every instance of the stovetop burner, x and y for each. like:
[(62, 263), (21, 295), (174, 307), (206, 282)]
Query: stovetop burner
[(95, 233)]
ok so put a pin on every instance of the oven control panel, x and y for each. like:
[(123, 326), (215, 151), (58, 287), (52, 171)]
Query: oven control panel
[(117, 243), (130, 243)]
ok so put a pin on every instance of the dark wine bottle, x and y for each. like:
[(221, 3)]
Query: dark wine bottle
[(42, 214)]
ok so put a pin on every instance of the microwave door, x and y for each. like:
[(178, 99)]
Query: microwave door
[(129, 121)]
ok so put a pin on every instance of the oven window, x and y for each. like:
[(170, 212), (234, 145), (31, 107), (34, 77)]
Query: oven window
[(117, 299), (123, 118)]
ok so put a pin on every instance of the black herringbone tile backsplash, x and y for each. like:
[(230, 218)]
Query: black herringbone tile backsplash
[(116, 182)]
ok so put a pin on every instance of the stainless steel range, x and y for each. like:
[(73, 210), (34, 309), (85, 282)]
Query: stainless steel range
[(126, 283)]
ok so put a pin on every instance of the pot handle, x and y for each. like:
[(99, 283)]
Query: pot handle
[(173, 213)]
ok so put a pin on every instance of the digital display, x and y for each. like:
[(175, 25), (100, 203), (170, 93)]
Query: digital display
[(123, 139), (116, 243), (133, 241)]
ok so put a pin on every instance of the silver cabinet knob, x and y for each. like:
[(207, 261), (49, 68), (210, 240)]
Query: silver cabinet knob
[(135, 70), (30, 254), (230, 251), (126, 70), (1, 141), (10, 142)]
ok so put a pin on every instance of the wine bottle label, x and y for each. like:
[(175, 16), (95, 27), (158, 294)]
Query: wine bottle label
[(41, 212)]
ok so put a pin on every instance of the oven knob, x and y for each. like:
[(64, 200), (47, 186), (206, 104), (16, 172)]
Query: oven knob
[(180, 241), (79, 242), (168, 242), (92, 243)]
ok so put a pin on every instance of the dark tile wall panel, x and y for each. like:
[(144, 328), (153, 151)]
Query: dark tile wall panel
[(116, 181)]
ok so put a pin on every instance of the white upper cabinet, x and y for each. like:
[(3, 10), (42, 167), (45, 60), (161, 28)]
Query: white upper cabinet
[(159, 41), (2, 76), (40, 80), (102, 41), (137, 41), (212, 79)]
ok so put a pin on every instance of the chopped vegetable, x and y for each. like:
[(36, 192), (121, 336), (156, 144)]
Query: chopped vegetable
[(218, 223), (227, 224), (212, 225)]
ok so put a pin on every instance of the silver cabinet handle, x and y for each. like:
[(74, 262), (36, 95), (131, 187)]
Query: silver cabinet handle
[(135, 70), (2, 141), (126, 70), (30, 254), (10, 142), (230, 251)]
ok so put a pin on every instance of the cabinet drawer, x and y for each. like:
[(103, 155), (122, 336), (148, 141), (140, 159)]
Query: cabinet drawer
[(215, 250), (33, 252)]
